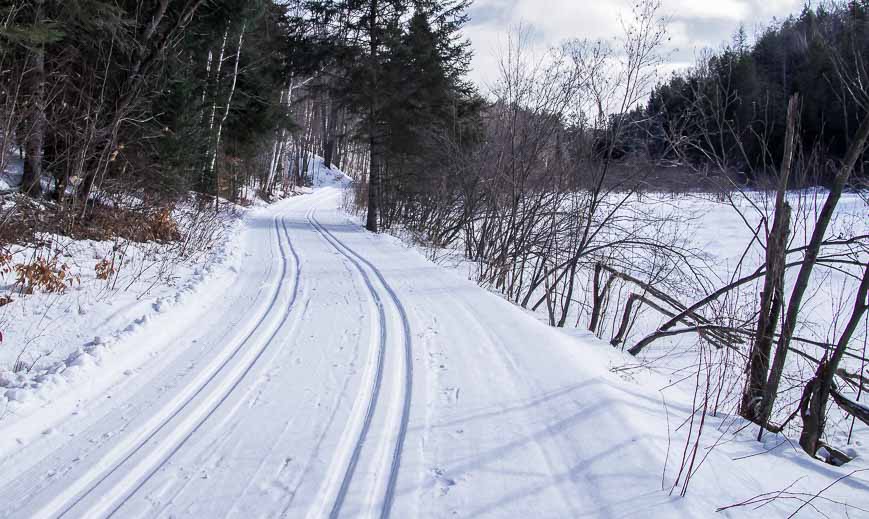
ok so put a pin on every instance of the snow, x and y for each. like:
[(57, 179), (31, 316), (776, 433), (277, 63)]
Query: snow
[(10, 177), (61, 339), (310, 369)]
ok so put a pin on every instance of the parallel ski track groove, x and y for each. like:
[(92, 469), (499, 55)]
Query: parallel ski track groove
[(305, 469), (374, 394), (356, 259), (208, 381)]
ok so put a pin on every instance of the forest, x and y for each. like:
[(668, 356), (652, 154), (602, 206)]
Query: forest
[(563, 187), (166, 98), (747, 85)]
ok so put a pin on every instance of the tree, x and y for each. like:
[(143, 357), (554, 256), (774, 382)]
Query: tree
[(390, 68), (30, 32)]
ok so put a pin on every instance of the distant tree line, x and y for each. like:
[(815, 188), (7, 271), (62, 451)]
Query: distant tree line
[(730, 110)]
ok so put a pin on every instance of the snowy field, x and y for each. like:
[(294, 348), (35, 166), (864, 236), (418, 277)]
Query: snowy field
[(306, 368)]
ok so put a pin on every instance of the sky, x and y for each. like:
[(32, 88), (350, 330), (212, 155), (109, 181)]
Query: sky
[(693, 25)]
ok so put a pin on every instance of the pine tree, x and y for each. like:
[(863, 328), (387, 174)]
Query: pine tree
[(401, 74), (425, 86)]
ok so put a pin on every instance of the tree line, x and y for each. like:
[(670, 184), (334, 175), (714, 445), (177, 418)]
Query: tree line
[(141, 95), (730, 109), (167, 97)]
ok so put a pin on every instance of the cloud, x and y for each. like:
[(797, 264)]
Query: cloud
[(694, 24)]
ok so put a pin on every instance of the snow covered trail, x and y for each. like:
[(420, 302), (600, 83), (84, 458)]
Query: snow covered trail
[(343, 375)]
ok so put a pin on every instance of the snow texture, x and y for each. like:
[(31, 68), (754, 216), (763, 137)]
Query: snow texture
[(311, 369)]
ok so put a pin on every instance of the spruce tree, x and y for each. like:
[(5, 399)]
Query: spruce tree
[(401, 74)]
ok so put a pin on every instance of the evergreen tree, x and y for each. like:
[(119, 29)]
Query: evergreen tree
[(399, 73), (424, 74)]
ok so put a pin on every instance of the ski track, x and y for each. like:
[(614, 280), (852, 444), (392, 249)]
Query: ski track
[(286, 318), (295, 396), (114, 452), (136, 476), (373, 395)]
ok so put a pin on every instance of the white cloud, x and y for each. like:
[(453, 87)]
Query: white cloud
[(695, 23), (735, 10)]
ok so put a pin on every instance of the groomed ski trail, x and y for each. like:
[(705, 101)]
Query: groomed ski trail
[(342, 375), (347, 458)]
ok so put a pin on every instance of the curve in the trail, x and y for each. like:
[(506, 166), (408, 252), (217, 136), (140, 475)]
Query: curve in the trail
[(372, 394), (357, 260), (133, 480)]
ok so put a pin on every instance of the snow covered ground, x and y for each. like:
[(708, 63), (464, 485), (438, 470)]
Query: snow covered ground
[(316, 370), (52, 339)]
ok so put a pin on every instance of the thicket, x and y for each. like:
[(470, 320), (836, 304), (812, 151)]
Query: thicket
[(149, 97)]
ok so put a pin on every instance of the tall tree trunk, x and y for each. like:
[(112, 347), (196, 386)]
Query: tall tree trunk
[(207, 172), (374, 179), (331, 135), (214, 151), (772, 296), (35, 141), (279, 146)]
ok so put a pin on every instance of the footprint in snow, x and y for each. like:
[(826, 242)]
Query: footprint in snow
[(444, 483), (450, 395)]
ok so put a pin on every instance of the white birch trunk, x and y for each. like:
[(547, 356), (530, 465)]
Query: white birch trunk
[(226, 108), (277, 149), (205, 85), (217, 81)]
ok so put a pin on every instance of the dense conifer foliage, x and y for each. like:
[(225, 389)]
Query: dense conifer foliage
[(732, 106)]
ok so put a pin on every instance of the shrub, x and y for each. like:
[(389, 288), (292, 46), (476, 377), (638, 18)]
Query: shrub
[(45, 275)]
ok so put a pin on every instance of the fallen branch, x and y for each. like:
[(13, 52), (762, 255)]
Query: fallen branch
[(855, 409)]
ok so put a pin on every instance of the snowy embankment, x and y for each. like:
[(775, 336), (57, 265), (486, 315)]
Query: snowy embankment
[(75, 341), (119, 299), (342, 374), (717, 452)]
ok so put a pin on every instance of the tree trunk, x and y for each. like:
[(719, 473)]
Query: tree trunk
[(372, 222), (597, 296), (279, 147), (35, 142), (817, 394), (374, 179), (331, 135), (855, 151), (812, 413), (207, 172), (214, 151), (772, 296), (772, 300)]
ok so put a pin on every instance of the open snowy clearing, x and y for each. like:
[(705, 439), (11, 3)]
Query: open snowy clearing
[(340, 374)]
